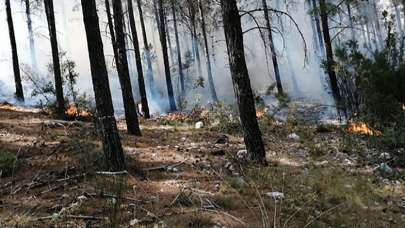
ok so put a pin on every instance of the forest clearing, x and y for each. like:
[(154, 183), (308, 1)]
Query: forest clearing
[(180, 176), (202, 113)]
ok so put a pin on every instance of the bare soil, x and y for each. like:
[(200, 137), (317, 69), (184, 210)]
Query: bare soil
[(179, 176)]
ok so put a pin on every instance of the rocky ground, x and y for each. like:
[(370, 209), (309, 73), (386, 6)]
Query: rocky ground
[(182, 173)]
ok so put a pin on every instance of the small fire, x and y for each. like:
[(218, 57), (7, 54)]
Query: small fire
[(403, 107), (73, 112), (261, 113), (362, 129)]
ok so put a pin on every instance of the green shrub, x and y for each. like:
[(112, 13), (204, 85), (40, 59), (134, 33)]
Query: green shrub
[(8, 163), (373, 87)]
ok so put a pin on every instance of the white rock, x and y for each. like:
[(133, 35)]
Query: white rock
[(294, 136), (133, 222), (199, 125), (385, 156), (241, 154), (275, 195), (385, 169)]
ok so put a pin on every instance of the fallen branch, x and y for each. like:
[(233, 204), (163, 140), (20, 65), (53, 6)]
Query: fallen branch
[(83, 217), (163, 167), (119, 173)]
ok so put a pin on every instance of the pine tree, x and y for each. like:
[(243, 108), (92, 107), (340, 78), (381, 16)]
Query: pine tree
[(241, 81), (123, 71), (19, 93), (112, 147), (138, 60), (50, 15)]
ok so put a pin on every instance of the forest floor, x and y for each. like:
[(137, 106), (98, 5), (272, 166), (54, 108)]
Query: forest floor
[(180, 176)]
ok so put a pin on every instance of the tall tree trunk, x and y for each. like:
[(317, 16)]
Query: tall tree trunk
[(149, 73), (398, 18), (194, 36), (349, 14), (34, 62), (318, 26), (112, 32), (169, 40), (112, 147), (19, 93), (379, 33), (403, 9), (329, 52), (50, 15), (272, 48), (163, 41), (313, 27), (241, 81), (207, 55), (141, 80), (179, 59), (123, 71)]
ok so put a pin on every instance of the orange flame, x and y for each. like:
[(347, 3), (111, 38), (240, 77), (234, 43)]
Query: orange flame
[(72, 111), (261, 113), (363, 129)]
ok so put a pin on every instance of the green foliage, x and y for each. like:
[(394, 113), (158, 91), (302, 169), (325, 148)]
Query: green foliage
[(226, 118), (8, 163), (373, 87)]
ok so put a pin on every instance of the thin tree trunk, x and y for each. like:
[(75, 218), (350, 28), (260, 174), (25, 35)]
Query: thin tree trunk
[(149, 73), (398, 18), (112, 147), (34, 62), (179, 59), (141, 80), (318, 26), (19, 93), (50, 15), (349, 12), (163, 41), (241, 81), (169, 40), (112, 32), (329, 53), (313, 27), (123, 71), (379, 33), (207, 55), (403, 9), (194, 37), (272, 48)]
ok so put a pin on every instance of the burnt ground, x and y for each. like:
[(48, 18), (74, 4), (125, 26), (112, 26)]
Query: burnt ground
[(179, 176)]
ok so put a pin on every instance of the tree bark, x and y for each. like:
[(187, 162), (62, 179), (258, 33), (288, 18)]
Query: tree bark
[(163, 41), (207, 55), (272, 48), (241, 81), (169, 40), (19, 93), (34, 62), (50, 15), (123, 71), (329, 53), (179, 58), (349, 14), (398, 18), (112, 147), (149, 73), (196, 49), (112, 32), (141, 79), (318, 26)]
